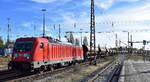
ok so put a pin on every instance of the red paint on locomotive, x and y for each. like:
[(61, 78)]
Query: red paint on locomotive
[(37, 52)]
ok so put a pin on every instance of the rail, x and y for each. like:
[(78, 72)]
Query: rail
[(110, 73)]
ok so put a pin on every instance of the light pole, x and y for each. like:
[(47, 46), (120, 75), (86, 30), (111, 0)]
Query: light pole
[(128, 43), (128, 40), (43, 10), (131, 44), (81, 36), (116, 40), (34, 28), (8, 30), (59, 33)]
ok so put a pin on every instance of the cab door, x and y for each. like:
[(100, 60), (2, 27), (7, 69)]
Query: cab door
[(45, 51), (41, 51)]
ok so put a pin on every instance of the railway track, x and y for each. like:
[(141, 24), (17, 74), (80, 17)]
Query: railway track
[(3, 65), (12, 76), (16, 76), (109, 73), (3, 68), (8, 74), (51, 74)]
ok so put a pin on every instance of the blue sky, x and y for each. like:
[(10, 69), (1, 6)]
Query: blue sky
[(129, 15)]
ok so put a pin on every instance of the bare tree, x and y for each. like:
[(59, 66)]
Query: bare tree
[(71, 38), (85, 41), (1, 43), (77, 42)]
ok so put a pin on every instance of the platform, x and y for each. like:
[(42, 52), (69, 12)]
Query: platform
[(135, 71)]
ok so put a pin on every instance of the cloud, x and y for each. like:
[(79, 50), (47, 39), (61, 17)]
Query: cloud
[(138, 13), (43, 1), (124, 18), (46, 28), (128, 0), (131, 18), (49, 1), (104, 4), (26, 24)]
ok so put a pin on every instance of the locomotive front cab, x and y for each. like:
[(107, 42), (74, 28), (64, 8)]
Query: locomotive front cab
[(22, 51), (29, 53), (22, 54)]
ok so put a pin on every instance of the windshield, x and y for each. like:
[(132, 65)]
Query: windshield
[(23, 46)]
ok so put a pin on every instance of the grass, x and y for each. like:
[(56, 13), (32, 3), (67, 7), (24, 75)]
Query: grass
[(110, 58), (74, 76), (4, 60), (134, 57)]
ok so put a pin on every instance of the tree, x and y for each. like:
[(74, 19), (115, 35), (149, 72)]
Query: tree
[(1, 43), (77, 42), (71, 38), (85, 41), (99, 48), (9, 44)]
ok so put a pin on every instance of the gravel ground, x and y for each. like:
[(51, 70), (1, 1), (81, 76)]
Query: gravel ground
[(73, 75), (103, 77), (3, 66), (78, 73), (135, 71), (4, 63)]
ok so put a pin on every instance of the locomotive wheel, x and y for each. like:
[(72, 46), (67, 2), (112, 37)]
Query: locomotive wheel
[(58, 65), (41, 70), (51, 68)]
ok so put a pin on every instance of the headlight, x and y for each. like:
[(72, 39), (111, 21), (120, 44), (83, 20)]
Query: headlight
[(27, 56), (15, 56)]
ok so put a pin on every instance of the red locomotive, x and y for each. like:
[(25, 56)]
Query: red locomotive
[(43, 53)]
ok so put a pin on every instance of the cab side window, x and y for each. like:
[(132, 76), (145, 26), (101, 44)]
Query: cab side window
[(41, 45)]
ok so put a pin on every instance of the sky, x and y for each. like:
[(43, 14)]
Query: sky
[(126, 15)]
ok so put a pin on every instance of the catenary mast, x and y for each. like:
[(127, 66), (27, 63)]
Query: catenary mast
[(92, 34)]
